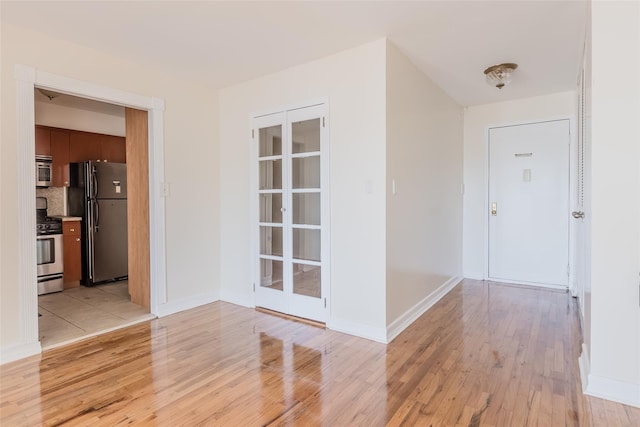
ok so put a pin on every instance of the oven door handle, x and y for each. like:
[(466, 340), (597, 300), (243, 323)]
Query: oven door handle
[(50, 278)]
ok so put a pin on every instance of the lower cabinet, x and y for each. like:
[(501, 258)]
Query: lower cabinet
[(72, 254)]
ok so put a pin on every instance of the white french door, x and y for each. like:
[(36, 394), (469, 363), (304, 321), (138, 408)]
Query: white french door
[(529, 203), (291, 267)]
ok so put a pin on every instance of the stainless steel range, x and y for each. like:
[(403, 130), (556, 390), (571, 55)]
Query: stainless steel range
[(48, 249)]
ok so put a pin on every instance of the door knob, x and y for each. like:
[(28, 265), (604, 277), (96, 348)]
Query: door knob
[(577, 214)]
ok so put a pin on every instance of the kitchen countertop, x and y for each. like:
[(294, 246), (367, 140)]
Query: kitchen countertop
[(67, 218)]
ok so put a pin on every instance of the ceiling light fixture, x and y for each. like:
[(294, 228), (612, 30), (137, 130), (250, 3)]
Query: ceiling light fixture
[(500, 75)]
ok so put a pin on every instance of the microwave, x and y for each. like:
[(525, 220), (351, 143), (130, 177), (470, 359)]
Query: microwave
[(43, 171)]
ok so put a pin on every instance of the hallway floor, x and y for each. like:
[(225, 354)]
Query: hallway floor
[(485, 354), (82, 312)]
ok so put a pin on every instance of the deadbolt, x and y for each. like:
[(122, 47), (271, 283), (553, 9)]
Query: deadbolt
[(494, 209)]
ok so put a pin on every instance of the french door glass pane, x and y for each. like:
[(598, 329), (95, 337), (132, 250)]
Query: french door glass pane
[(306, 208), (306, 280), (306, 172), (271, 207), (305, 136), (270, 141), (270, 174), (306, 244), (271, 241), (271, 274)]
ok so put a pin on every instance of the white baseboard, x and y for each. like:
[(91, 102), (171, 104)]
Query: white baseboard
[(183, 304), (401, 323), (606, 388), (473, 276), (19, 351), (242, 299), (358, 329), (618, 391)]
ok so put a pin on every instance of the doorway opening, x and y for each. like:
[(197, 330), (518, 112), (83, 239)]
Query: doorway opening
[(27, 79), (90, 199)]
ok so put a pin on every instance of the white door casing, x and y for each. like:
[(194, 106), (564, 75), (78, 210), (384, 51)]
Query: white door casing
[(529, 203), (27, 79)]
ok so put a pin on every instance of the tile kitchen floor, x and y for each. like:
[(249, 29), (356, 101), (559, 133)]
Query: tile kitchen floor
[(82, 312)]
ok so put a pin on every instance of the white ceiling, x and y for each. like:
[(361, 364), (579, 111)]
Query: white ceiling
[(224, 43)]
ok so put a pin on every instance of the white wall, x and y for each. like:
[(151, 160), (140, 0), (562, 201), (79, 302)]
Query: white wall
[(191, 158), (615, 233), (424, 157), (354, 82), (477, 120), (48, 113)]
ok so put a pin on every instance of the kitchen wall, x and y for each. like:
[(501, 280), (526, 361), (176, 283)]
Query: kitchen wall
[(56, 199), (424, 217), (477, 120), (354, 82), (69, 112), (191, 156)]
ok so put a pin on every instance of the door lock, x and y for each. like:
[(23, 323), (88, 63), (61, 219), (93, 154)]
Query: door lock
[(494, 209), (577, 214)]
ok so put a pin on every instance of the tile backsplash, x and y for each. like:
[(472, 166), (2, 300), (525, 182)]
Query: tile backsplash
[(56, 199)]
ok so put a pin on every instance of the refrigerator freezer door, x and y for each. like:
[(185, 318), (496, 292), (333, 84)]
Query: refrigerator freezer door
[(110, 241), (111, 179)]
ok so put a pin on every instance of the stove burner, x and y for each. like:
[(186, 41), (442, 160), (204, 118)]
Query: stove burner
[(46, 225)]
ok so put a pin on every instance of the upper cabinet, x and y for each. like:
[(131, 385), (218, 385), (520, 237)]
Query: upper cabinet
[(113, 149), (43, 144), (70, 146), (84, 146), (60, 157)]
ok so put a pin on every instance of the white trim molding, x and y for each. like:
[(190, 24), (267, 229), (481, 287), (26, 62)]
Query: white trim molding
[(378, 334), (14, 352), (237, 298), (188, 303), (396, 327), (618, 391), (606, 388), (27, 79)]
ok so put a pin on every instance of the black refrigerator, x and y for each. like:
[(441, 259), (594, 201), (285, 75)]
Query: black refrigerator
[(98, 193)]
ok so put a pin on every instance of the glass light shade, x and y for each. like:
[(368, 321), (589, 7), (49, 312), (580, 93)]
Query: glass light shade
[(500, 75)]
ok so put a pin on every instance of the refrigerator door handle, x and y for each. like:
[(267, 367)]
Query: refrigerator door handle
[(90, 240), (97, 214), (94, 182)]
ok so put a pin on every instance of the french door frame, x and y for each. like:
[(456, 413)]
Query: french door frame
[(291, 303)]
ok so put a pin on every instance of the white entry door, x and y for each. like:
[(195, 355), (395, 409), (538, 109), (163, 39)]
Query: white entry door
[(529, 203), (292, 236)]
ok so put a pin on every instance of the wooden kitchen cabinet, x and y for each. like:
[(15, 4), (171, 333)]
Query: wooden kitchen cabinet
[(60, 157), (84, 146), (113, 149), (72, 247), (43, 143)]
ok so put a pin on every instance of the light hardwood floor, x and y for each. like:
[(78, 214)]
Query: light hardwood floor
[(486, 354)]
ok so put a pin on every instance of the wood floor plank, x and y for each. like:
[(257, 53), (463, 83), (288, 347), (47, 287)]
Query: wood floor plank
[(487, 354)]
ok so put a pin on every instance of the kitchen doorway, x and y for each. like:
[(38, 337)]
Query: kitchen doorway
[(86, 164), (27, 79)]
